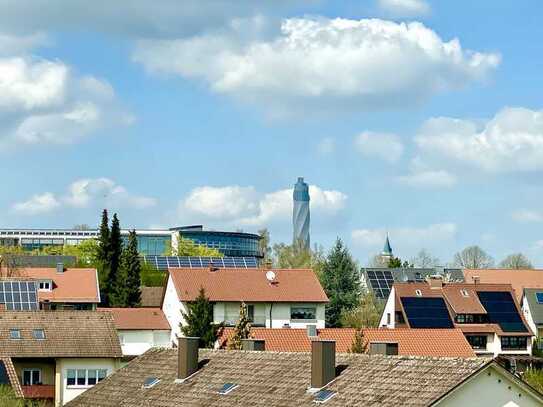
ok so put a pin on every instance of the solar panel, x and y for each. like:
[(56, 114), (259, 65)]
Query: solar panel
[(427, 312), (501, 310), (4, 378), (323, 396), (381, 282), (227, 388), (165, 262), (19, 295)]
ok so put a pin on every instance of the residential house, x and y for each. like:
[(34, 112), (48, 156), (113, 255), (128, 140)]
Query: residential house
[(64, 288), (532, 307), (140, 329), (519, 279), (401, 341), (274, 299), (17, 294), (188, 377), (57, 355), (488, 314)]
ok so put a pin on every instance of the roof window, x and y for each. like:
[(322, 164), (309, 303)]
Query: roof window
[(150, 382), (15, 333), (38, 334), (418, 293), (323, 396), (464, 293), (227, 388), (539, 297)]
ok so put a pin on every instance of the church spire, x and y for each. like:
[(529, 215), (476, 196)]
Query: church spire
[(387, 249)]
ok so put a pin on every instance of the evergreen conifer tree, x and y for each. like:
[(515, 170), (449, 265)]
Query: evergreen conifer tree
[(115, 250), (242, 330), (118, 294), (131, 266), (102, 257), (341, 282), (199, 321)]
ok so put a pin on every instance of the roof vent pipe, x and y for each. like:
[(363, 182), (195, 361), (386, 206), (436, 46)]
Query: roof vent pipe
[(60, 267), (187, 357), (323, 363)]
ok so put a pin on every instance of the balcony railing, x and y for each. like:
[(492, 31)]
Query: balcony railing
[(39, 391)]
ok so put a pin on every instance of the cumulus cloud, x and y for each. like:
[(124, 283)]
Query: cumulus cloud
[(37, 204), (511, 141), (527, 216), (406, 237), (44, 102), (84, 193), (405, 8), (11, 44), (381, 145), (245, 206), (422, 176), (322, 64)]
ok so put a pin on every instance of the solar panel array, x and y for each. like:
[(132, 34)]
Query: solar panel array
[(427, 312), (165, 262), (381, 282), (19, 295), (501, 310)]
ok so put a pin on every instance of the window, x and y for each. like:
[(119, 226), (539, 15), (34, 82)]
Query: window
[(418, 293), (303, 313), (477, 341), (471, 318), (84, 377), (399, 317), (15, 334), (45, 286), (388, 318), (539, 298), (513, 342), (31, 377), (38, 334), (227, 388), (464, 293), (251, 312)]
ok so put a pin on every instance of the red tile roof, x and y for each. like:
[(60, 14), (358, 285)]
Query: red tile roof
[(138, 318), (519, 279), (411, 342), (73, 285), (250, 285)]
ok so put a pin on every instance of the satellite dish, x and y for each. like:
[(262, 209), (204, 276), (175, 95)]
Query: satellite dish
[(270, 275)]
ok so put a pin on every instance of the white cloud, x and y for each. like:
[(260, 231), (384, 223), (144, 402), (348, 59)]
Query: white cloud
[(405, 8), (382, 145), (15, 44), (43, 102), (406, 238), (84, 193), (422, 176), (511, 141), (245, 206), (323, 64), (527, 216), (326, 146), (45, 202)]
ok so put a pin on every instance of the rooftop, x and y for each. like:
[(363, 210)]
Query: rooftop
[(151, 296), (280, 379), (249, 285), (519, 279), (63, 333), (138, 318)]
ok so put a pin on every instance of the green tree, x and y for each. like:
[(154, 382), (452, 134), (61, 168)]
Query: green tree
[(115, 251), (534, 377), (187, 247), (199, 321), (366, 315), (264, 245), (358, 345), (103, 239), (341, 282), (131, 265), (118, 292), (242, 330), (516, 261), (86, 252), (396, 263), (297, 256)]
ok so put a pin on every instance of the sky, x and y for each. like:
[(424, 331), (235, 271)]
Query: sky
[(419, 118)]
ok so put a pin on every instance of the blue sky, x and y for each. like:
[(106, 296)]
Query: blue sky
[(421, 118)]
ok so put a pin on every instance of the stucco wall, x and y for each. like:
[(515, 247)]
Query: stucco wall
[(172, 310), (490, 388), (389, 309), (47, 369), (136, 342)]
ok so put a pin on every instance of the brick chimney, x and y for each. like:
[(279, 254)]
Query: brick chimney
[(187, 357), (323, 363), (253, 344)]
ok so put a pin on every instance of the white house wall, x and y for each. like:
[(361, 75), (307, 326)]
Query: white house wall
[(172, 310), (389, 310), (528, 314), (497, 390), (137, 342)]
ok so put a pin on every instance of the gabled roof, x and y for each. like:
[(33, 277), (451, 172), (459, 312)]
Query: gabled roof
[(73, 285), (151, 296), (138, 318), (519, 279), (67, 334), (536, 309), (6, 364), (249, 285), (280, 379), (411, 342)]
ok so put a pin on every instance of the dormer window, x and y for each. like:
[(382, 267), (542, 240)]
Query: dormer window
[(45, 285), (38, 334), (15, 334), (418, 293)]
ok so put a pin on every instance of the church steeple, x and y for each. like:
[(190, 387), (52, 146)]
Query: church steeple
[(387, 249)]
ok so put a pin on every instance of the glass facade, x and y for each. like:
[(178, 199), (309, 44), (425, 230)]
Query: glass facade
[(150, 245), (236, 244)]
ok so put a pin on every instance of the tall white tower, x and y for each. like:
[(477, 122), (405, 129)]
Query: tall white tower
[(300, 214)]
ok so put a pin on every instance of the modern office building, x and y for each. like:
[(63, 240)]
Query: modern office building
[(300, 213), (150, 242)]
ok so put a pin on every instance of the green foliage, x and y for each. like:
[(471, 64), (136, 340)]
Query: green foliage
[(187, 247), (358, 345), (8, 398), (264, 245), (151, 277), (534, 377), (86, 252), (118, 290), (396, 263), (297, 256), (242, 330), (199, 321), (131, 265), (103, 239), (366, 315), (341, 282)]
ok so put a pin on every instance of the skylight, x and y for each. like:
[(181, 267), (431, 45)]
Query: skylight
[(227, 388), (539, 297), (150, 382), (38, 334), (323, 396), (15, 334)]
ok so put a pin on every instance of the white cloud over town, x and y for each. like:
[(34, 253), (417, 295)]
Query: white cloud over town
[(405, 8), (385, 146)]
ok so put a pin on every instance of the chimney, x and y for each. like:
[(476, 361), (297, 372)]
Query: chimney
[(253, 344), (187, 357), (323, 363), (435, 282), (377, 348), (311, 331), (476, 279), (60, 267)]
